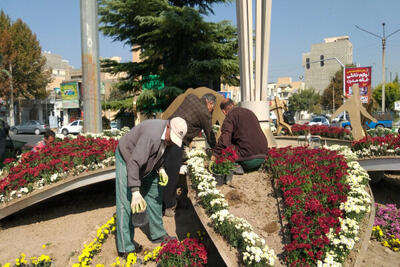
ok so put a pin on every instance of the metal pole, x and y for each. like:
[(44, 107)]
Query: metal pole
[(383, 68), (11, 112), (333, 99), (383, 38), (90, 67)]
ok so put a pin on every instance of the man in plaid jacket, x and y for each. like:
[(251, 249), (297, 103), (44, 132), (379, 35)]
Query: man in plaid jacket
[(197, 114)]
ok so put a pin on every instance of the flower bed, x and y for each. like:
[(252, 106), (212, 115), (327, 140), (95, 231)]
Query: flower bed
[(237, 231), (368, 147), (41, 261), (322, 130), (387, 226), (70, 156), (324, 200)]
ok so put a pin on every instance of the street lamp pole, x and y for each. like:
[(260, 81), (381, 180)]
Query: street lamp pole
[(12, 120), (383, 38)]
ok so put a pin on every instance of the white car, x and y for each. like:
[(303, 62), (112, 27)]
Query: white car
[(319, 120), (74, 127)]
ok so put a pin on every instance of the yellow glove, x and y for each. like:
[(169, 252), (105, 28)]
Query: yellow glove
[(163, 177), (138, 204)]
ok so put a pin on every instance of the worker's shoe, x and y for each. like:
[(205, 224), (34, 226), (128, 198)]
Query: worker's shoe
[(170, 212), (137, 249), (164, 239), (238, 170)]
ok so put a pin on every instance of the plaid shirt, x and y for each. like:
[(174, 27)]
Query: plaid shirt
[(194, 111)]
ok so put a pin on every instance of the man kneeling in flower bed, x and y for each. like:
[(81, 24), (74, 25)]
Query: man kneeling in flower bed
[(241, 130), (139, 155)]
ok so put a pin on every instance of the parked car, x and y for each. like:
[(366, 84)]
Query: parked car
[(74, 127), (31, 126), (319, 120), (385, 120)]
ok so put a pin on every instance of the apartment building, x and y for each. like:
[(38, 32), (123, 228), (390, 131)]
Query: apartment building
[(322, 62)]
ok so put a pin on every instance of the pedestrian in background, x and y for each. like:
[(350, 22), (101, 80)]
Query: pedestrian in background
[(48, 139)]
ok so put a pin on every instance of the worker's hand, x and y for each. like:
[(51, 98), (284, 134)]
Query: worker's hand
[(138, 204), (163, 177)]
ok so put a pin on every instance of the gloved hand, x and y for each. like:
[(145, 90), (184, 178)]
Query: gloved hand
[(138, 204), (163, 177)]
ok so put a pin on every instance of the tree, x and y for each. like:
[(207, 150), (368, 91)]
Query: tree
[(175, 42), (307, 99), (392, 94), (396, 79), (336, 85), (21, 49)]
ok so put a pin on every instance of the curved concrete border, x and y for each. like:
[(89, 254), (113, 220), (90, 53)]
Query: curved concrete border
[(228, 254), (367, 234), (323, 140), (380, 164), (52, 190)]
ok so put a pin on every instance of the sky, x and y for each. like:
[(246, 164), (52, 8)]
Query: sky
[(295, 26)]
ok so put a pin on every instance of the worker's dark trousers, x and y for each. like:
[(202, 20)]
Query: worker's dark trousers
[(172, 165)]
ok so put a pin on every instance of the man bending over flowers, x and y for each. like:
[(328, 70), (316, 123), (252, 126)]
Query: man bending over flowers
[(139, 155), (242, 131)]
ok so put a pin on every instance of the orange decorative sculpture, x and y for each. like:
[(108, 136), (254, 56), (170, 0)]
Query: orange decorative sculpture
[(278, 106), (355, 109)]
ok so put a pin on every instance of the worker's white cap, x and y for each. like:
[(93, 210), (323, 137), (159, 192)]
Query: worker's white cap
[(178, 130)]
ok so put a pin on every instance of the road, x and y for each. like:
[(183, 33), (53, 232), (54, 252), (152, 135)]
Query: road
[(30, 139)]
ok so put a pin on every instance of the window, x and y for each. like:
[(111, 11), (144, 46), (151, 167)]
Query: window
[(75, 123), (321, 58), (307, 63)]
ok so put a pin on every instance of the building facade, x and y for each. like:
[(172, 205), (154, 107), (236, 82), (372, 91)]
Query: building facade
[(320, 64)]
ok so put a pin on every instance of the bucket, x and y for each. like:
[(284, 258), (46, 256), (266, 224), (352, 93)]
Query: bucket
[(140, 219)]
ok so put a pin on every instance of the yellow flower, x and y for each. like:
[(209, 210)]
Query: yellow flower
[(188, 235), (395, 249), (43, 246), (386, 244), (99, 265), (147, 257), (131, 259), (7, 264)]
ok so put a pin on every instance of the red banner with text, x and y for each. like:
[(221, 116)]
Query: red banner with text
[(362, 76)]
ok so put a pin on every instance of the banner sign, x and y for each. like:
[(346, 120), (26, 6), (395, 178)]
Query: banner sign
[(225, 94), (152, 82), (70, 94), (362, 76)]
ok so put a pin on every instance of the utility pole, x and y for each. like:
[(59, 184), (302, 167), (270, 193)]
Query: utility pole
[(90, 67), (383, 39), (12, 120)]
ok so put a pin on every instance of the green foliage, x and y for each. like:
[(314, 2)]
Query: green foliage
[(151, 101), (392, 94), (175, 42), (336, 86), (123, 104), (21, 49), (396, 79), (307, 99)]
